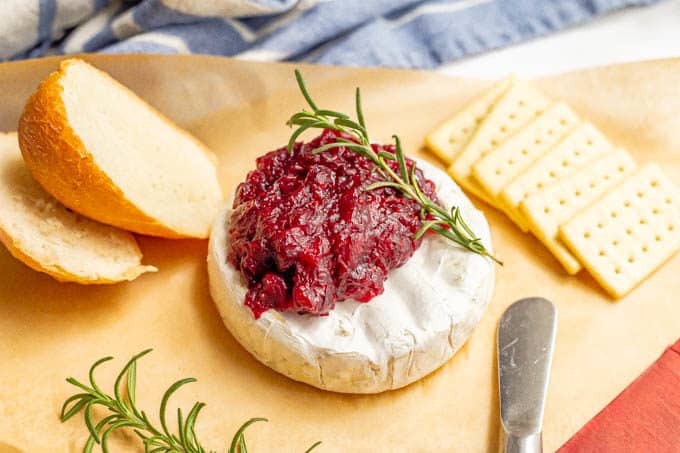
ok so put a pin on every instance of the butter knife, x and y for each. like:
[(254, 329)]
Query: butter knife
[(526, 339)]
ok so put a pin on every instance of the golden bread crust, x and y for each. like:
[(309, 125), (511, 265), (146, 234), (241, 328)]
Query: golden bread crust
[(60, 274), (59, 161)]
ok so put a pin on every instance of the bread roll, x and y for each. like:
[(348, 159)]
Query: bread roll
[(105, 153), (45, 235)]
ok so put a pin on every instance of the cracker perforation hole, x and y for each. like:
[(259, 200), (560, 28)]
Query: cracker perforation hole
[(586, 235), (671, 227), (498, 171), (622, 168), (565, 163), (640, 195), (629, 232), (546, 210), (537, 141), (613, 214), (512, 116), (525, 152), (589, 142), (617, 270), (577, 193), (603, 253), (563, 122), (658, 238), (654, 183), (626, 203)]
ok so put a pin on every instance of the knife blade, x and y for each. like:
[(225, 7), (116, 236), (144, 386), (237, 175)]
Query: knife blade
[(525, 341)]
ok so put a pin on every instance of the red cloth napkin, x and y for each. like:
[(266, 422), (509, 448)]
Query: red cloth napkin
[(644, 418)]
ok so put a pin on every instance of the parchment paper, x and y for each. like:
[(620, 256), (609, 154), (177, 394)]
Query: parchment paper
[(49, 330)]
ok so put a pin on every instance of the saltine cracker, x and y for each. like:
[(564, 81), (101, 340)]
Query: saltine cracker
[(628, 233), (578, 147), (518, 106), (545, 211), (452, 135), (502, 165)]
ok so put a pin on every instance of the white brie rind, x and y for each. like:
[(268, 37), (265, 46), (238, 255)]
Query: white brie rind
[(429, 307)]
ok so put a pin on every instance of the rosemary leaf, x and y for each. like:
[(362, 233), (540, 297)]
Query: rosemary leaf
[(426, 226), (88, 421), (303, 89), (81, 400), (383, 184), (360, 117), (299, 131), (387, 156), (332, 114), (314, 445), (238, 436), (402, 162)]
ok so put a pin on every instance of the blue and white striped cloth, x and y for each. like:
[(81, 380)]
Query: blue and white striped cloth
[(396, 33)]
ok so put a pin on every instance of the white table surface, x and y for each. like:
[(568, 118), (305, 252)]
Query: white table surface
[(628, 35)]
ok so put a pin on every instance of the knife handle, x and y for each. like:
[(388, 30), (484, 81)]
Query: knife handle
[(531, 443)]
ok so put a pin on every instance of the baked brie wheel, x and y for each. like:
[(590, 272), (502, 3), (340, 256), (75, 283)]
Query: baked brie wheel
[(428, 309)]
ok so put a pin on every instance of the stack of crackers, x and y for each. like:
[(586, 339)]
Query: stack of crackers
[(555, 175)]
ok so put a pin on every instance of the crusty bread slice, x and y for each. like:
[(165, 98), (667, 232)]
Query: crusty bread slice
[(105, 153), (50, 238)]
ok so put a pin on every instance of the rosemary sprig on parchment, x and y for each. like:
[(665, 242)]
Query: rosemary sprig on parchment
[(124, 413), (448, 223)]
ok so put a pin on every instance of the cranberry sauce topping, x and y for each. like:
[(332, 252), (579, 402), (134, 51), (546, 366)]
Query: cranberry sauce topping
[(305, 234)]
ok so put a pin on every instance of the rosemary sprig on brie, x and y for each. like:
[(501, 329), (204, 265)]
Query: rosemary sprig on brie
[(448, 223)]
